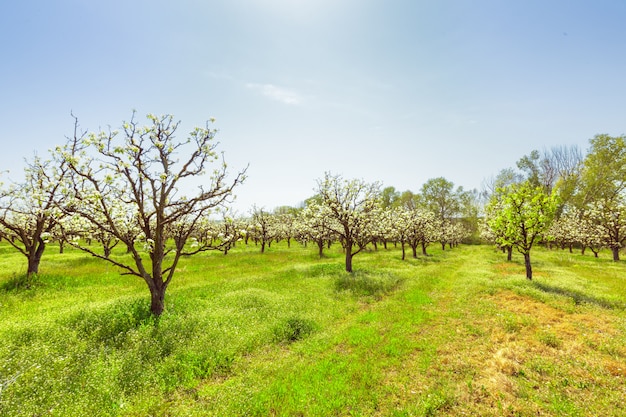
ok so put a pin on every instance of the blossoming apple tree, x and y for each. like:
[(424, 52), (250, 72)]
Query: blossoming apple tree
[(134, 184), (352, 205), (28, 213)]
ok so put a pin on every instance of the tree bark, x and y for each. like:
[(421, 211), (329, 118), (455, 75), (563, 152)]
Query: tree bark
[(529, 269), (615, 251), (34, 258), (349, 260), (33, 266), (157, 300)]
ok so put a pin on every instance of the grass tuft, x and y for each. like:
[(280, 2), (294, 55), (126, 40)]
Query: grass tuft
[(110, 325), (369, 284), (293, 329), (550, 339)]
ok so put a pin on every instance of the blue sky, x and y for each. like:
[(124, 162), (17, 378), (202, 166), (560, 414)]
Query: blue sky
[(394, 91)]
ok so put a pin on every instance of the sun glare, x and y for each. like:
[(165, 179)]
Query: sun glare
[(300, 10)]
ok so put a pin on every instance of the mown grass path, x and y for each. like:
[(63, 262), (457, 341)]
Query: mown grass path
[(465, 334), (460, 332)]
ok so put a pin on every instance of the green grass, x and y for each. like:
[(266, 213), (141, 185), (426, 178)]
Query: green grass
[(460, 332)]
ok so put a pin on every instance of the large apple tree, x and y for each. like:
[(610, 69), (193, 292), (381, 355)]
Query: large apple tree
[(137, 184)]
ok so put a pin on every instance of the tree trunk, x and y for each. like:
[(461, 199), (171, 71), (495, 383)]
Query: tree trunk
[(424, 249), (529, 268), (615, 251), (509, 253), (34, 258), (348, 249), (157, 300), (349, 260), (320, 247), (33, 265), (403, 251)]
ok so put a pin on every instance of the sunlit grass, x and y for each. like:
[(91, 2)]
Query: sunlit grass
[(286, 333)]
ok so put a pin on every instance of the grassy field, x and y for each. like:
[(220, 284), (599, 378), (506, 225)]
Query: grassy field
[(460, 332)]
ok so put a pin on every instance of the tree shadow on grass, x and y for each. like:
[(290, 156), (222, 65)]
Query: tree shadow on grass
[(20, 283), (579, 297), (420, 259)]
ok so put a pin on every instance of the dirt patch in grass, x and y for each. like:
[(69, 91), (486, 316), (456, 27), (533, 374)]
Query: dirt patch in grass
[(507, 268), (557, 354), (543, 314), (507, 354)]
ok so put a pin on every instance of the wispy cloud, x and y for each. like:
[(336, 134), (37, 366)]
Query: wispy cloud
[(274, 92)]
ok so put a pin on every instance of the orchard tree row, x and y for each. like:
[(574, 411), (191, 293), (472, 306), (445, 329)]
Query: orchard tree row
[(131, 187), (561, 197), (357, 214)]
